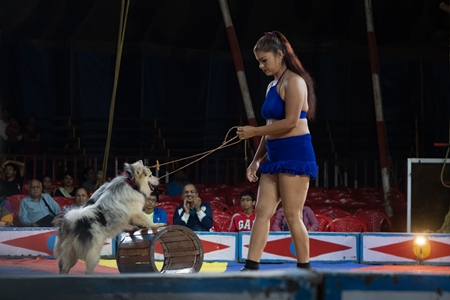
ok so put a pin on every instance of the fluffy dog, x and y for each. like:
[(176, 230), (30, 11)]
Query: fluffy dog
[(113, 207)]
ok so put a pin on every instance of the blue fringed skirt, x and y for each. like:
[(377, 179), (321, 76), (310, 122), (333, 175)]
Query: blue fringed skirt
[(293, 155)]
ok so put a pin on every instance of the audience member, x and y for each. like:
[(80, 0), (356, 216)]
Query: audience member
[(6, 212), (193, 213), (32, 137), (309, 219), (47, 185), (66, 189), (91, 180), (81, 197), (15, 138), (243, 220), (14, 172), (153, 213), (176, 186), (37, 209)]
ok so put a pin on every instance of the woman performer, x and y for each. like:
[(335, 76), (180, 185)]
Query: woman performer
[(286, 140)]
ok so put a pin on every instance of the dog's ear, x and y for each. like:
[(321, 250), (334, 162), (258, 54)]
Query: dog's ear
[(127, 167), (139, 162)]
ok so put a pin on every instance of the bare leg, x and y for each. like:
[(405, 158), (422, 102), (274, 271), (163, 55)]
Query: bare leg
[(293, 191), (268, 198)]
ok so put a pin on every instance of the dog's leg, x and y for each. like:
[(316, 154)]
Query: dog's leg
[(141, 220), (67, 261), (93, 256)]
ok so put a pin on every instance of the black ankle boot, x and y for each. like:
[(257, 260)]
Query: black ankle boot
[(250, 265), (244, 269), (306, 266)]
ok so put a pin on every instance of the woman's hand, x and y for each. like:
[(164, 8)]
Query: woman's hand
[(251, 172), (246, 132)]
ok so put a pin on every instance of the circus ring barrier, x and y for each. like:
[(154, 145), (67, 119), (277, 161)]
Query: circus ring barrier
[(325, 247), (182, 251)]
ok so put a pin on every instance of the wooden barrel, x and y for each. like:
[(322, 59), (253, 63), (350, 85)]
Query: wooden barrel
[(181, 247)]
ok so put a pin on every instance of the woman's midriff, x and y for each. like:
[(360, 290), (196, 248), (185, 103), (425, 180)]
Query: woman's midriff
[(300, 129)]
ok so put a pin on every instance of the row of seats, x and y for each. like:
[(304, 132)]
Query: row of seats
[(337, 209), (343, 209)]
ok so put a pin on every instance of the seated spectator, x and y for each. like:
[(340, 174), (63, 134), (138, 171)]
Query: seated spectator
[(6, 212), (37, 209), (47, 185), (193, 213), (81, 197), (66, 189), (243, 221), (32, 137), (91, 180), (14, 172), (153, 213), (15, 138), (176, 186), (309, 219)]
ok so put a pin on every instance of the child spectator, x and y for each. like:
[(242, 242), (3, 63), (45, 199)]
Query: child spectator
[(153, 213), (243, 221)]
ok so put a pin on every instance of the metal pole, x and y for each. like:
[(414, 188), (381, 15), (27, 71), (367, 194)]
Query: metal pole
[(381, 128), (236, 53)]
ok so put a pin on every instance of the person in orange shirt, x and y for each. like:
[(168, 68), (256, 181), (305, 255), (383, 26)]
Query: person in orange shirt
[(243, 221)]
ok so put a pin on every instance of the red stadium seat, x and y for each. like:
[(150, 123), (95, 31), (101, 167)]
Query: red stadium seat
[(167, 209), (221, 222), (325, 223), (212, 197), (169, 217), (14, 200), (335, 213), (164, 197), (63, 201), (376, 220), (234, 209), (25, 188), (178, 198), (349, 224), (218, 205), (168, 204)]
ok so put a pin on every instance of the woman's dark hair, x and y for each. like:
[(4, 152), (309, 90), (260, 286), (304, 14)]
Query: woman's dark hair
[(274, 41), (67, 173)]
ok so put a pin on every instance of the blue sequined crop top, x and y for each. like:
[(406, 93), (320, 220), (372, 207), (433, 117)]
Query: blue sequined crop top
[(273, 107)]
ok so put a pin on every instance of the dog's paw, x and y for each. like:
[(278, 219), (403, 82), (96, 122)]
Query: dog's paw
[(160, 225), (130, 228)]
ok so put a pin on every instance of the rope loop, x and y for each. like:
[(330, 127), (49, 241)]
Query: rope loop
[(227, 142)]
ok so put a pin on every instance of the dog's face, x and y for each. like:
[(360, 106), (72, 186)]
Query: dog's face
[(142, 177)]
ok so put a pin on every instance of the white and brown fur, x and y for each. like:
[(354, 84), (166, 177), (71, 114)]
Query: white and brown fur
[(113, 207)]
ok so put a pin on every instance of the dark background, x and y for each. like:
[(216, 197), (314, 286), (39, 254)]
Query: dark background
[(58, 57)]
